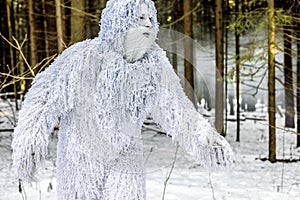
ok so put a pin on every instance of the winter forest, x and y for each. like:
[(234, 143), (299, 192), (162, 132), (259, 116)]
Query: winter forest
[(238, 62)]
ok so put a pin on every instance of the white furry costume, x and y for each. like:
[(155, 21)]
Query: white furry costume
[(100, 100)]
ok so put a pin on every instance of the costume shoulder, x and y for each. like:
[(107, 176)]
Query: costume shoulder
[(74, 57), (159, 57), (51, 97), (157, 54)]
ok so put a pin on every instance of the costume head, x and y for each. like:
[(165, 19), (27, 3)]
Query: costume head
[(129, 26)]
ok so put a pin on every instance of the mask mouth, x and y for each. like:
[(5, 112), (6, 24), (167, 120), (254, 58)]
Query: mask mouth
[(146, 34), (137, 41)]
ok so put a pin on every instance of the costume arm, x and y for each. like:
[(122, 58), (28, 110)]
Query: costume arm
[(45, 102), (178, 117)]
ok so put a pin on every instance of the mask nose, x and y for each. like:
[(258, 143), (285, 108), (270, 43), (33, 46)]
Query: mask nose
[(148, 23)]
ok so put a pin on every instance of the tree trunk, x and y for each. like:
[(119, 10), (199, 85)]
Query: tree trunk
[(10, 26), (45, 29), (102, 4), (59, 26), (33, 46), (288, 78), (231, 105), (237, 66), (188, 49), (21, 35), (227, 16), (51, 20), (298, 84), (219, 105), (77, 21), (10, 32), (3, 30), (92, 7), (177, 13), (271, 82)]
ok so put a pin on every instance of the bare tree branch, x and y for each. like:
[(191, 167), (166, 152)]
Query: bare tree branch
[(170, 172)]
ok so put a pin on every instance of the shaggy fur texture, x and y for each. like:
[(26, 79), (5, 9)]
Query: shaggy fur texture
[(102, 99)]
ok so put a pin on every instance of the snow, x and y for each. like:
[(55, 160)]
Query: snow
[(249, 179)]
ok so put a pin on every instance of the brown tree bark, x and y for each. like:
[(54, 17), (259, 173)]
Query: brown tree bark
[(45, 28), (237, 66), (33, 44), (51, 20), (59, 26), (12, 53), (288, 78), (10, 32), (188, 49), (219, 99), (271, 82), (177, 12), (298, 83), (77, 21), (21, 30)]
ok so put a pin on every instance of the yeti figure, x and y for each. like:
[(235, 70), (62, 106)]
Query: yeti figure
[(100, 91)]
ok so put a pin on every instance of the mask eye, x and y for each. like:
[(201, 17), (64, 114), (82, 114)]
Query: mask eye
[(142, 17)]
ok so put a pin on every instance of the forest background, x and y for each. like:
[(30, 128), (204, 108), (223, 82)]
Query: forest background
[(256, 58)]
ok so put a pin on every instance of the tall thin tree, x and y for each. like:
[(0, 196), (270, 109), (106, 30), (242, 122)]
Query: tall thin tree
[(237, 68), (177, 12), (298, 83), (45, 28), (188, 49), (219, 99), (59, 25), (227, 17), (10, 25), (271, 81), (288, 78), (33, 42), (77, 20)]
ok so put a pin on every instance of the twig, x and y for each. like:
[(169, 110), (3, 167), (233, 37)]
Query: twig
[(40, 192), (181, 18), (284, 129), (283, 156), (292, 186), (22, 55), (8, 93), (30, 72), (22, 190), (81, 12), (170, 172), (147, 158), (10, 120), (16, 77), (153, 129), (6, 130), (11, 44), (211, 186), (14, 121), (23, 75), (49, 59)]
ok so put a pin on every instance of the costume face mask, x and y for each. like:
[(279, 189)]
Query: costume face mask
[(139, 38)]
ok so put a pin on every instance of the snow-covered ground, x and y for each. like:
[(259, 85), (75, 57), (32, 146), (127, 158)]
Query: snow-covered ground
[(250, 178)]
